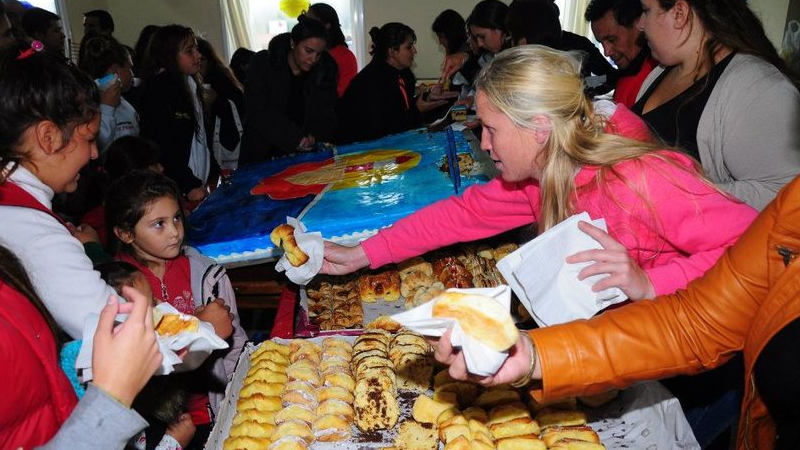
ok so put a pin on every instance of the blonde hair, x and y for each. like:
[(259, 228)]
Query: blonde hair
[(530, 80)]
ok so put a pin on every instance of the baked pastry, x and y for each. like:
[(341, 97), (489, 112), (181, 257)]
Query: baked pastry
[(414, 281), (384, 285), (295, 412), (480, 317), (416, 436), (553, 434), (336, 392), (245, 443), (576, 444), (509, 411), (521, 443), (253, 429), (385, 323), (336, 407), (288, 443), (283, 236), (476, 413), (503, 251), (412, 265), (515, 427), (331, 342), (260, 402), (260, 387), (494, 397), (265, 363), (331, 428), (306, 398), (565, 418), (255, 416), (426, 409), (172, 324), (266, 376), (424, 294), (340, 379), (377, 409), (296, 428), (467, 392), (334, 362)]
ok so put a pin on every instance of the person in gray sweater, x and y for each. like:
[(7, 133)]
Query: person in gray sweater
[(722, 94)]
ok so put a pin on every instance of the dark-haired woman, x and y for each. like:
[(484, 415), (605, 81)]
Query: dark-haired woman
[(487, 27), (225, 106), (102, 56), (345, 59), (451, 32), (723, 95), (172, 111), (381, 99), (290, 94)]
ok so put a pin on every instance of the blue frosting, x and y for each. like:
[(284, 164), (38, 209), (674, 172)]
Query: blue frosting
[(232, 220)]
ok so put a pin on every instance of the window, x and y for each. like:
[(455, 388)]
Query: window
[(263, 20)]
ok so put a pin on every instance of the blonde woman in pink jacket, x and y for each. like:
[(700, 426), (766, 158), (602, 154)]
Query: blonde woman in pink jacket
[(559, 156)]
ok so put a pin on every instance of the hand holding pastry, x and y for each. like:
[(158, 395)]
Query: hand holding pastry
[(515, 367), (123, 359), (283, 236), (614, 260), (341, 260)]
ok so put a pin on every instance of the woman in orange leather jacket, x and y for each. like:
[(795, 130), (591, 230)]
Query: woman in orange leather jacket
[(740, 304)]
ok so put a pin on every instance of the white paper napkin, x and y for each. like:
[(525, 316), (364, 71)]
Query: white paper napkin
[(547, 286), (481, 359), (312, 245), (199, 345)]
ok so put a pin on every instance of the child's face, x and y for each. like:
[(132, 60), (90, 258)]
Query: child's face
[(189, 57), (159, 233)]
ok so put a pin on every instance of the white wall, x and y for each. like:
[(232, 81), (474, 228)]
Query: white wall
[(130, 16), (773, 15)]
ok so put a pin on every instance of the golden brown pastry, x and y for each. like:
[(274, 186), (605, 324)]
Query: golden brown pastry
[(296, 428), (340, 379), (331, 428), (336, 407), (416, 436), (260, 387), (260, 402), (288, 443), (530, 442), (509, 411), (377, 409), (550, 417), (412, 265), (385, 323), (245, 443), (252, 429), (336, 392), (384, 285), (426, 409), (265, 363), (295, 412), (172, 324), (254, 415), (331, 342), (476, 413), (551, 435), (298, 397), (414, 281), (303, 373), (283, 236), (515, 427), (480, 317), (576, 444)]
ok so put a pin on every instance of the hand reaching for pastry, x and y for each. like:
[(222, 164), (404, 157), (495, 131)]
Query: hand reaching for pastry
[(218, 314), (514, 368), (125, 357), (614, 260), (340, 260)]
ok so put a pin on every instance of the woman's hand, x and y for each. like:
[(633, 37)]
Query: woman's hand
[(453, 63), (614, 260), (124, 359), (514, 368), (218, 314), (340, 260)]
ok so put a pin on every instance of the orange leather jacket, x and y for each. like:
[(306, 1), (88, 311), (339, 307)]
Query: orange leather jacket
[(738, 305)]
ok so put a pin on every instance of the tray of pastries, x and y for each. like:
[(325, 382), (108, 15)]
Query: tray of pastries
[(378, 390), (332, 304)]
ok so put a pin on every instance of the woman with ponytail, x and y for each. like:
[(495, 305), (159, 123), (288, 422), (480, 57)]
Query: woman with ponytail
[(381, 99), (337, 48), (558, 155)]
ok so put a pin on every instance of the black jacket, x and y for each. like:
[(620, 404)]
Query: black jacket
[(594, 63), (167, 118), (268, 131), (373, 105)]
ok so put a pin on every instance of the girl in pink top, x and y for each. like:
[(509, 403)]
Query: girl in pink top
[(557, 157)]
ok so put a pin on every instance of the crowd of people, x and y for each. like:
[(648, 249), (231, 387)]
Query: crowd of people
[(690, 161)]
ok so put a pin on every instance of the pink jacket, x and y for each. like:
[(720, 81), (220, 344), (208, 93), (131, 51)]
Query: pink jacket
[(675, 235)]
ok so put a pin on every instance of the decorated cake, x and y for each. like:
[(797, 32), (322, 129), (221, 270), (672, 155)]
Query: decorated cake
[(347, 193)]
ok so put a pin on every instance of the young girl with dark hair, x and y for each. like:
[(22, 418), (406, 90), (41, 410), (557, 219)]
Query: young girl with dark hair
[(172, 111), (345, 59), (722, 94), (102, 56), (290, 94), (144, 216), (381, 99)]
